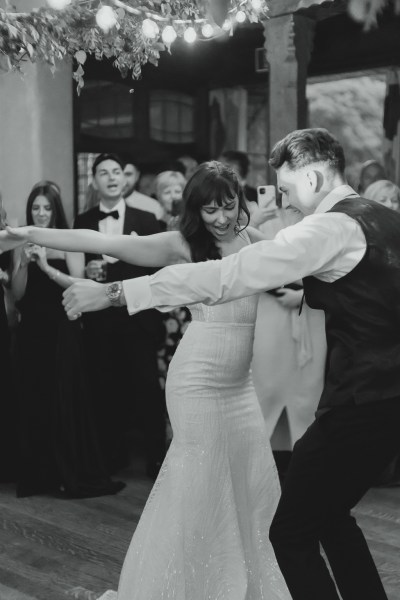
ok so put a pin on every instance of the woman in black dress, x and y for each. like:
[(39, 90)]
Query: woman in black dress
[(58, 445)]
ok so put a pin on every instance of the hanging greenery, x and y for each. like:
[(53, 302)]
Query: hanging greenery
[(130, 34)]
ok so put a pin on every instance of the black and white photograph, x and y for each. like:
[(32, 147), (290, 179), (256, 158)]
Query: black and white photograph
[(200, 300)]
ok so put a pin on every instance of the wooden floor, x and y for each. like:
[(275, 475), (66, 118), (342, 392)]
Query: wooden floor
[(56, 549)]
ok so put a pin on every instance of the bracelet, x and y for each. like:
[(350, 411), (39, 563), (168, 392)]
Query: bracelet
[(56, 274)]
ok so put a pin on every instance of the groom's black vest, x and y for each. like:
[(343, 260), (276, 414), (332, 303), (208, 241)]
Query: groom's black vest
[(362, 313)]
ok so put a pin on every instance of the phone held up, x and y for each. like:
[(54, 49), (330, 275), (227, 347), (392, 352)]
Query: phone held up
[(266, 196)]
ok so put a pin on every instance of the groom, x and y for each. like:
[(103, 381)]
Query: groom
[(347, 250)]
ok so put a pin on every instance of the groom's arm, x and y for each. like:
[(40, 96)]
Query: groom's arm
[(328, 245)]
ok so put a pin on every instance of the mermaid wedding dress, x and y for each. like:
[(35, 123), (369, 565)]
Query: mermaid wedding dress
[(203, 534)]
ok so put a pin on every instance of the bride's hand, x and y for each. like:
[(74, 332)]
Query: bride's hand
[(12, 237)]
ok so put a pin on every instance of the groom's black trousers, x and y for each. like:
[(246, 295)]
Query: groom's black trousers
[(335, 462)]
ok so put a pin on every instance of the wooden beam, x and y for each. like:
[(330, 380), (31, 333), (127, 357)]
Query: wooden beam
[(279, 8)]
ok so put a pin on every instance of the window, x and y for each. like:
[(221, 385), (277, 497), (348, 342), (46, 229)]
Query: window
[(106, 110), (171, 117), (86, 194)]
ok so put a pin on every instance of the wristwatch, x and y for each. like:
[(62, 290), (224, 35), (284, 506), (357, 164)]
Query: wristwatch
[(113, 293)]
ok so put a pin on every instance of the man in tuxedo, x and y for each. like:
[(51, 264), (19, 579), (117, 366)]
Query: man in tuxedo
[(347, 250), (122, 351)]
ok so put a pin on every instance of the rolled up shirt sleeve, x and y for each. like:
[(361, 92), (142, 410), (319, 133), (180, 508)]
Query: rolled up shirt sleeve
[(327, 245)]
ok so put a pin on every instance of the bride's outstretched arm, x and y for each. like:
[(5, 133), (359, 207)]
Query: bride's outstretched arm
[(160, 249)]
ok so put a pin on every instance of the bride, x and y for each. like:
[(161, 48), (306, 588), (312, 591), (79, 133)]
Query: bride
[(203, 534)]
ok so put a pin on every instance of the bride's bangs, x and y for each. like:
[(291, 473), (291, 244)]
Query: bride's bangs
[(218, 190)]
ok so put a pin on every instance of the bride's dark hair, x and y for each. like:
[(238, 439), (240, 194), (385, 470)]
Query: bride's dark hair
[(211, 182)]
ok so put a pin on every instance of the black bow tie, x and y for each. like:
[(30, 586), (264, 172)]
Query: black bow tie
[(103, 215)]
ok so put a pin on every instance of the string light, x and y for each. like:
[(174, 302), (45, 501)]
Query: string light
[(169, 34), (256, 4), (106, 18), (190, 35), (150, 28), (58, 4), (173, 26), (207, 30)]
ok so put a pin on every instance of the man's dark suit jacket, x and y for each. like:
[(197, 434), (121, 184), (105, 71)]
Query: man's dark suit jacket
[(137, 222)]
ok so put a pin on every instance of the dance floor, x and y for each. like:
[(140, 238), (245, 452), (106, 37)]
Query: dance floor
[(56, 549)]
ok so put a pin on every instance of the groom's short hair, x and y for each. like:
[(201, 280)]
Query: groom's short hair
[(307, 146)]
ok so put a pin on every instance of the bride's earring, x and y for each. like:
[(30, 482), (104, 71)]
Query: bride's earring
[(236, 228)]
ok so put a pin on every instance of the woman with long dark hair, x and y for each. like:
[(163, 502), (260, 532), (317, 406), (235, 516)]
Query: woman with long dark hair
[(58, 450), (204, 530)]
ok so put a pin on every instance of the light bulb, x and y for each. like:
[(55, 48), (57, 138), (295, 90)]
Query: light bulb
[(58, 4), (169, 34), (106, 18), (190, 35), (256, 4), (227, 25), (150, 28), (240, 16), (207, 30)]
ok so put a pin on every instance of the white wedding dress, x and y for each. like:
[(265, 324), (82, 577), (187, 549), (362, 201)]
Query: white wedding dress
[(203, 534)]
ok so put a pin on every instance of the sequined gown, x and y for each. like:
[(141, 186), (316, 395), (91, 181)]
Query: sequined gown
[(203, 533)]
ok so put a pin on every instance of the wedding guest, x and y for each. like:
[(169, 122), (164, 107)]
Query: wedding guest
[(189, 163), (58, 448), (169, 190), (122, 352), (371, 170), (132, 197), (385, 192), (147, 184)]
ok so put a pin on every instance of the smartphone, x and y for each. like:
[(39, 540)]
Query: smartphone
[(266, 196)]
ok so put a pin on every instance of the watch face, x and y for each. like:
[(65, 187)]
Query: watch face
[(114, 290)]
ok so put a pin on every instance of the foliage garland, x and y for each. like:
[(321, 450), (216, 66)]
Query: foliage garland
[(50, 35)]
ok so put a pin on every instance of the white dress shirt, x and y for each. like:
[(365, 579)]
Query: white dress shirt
[(143, 202), (112, 226), (326, 245)]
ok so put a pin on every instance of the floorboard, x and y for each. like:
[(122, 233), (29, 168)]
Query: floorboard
[(58, 549)]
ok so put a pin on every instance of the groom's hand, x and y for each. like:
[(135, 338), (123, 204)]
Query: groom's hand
[(85, 296)]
